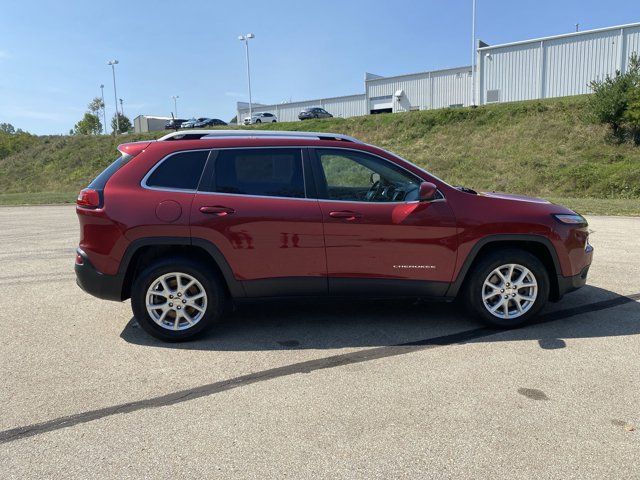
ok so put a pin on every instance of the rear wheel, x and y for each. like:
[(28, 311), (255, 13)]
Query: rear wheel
[(507, 288), (177, 299)]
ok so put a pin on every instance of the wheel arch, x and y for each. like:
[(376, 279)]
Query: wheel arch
[(143, 251), (537, 245)]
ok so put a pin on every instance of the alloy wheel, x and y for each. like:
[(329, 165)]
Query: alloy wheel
[(176, 301), (509, 291)]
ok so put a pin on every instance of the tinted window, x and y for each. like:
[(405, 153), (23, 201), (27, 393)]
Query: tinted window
[(273, 172), (181, 170), (101, 180), (357, 176), (268, 115)]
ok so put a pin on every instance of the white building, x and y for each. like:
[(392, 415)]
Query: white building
[(548, 67), (554, 66)]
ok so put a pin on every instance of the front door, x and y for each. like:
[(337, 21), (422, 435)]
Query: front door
[(255, 210), (379, 237)]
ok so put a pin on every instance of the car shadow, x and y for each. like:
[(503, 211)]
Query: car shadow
[(330, 324)]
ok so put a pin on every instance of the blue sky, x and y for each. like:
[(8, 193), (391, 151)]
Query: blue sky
[(53, 54)]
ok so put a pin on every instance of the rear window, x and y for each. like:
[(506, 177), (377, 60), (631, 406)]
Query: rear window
[(272, 172), (180, 171), (101, 180)]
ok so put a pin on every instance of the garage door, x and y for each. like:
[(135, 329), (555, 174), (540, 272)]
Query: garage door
[(381, 103)]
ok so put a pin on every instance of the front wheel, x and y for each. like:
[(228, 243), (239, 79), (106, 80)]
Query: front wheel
[(177, 299), (507, 288), (258, 121)]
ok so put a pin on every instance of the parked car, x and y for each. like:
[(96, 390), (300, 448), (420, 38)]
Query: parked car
[(313, 112), (209, 122), (191, 123), (174, 124), (187, 224), (264, 117)]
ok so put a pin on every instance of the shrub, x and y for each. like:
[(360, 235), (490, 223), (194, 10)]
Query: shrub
[(613, 96)]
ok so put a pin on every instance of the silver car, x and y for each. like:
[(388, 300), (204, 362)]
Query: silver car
[(263, 117)]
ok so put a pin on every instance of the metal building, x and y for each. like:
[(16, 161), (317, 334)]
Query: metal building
[(547, 67), (553, 66), (419, 91), (148, 123)]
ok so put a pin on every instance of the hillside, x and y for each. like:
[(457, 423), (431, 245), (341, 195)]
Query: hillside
[(548, 148)]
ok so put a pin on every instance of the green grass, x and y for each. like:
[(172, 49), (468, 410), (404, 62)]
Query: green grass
[(601, 206), (548, 148), (39, 198)]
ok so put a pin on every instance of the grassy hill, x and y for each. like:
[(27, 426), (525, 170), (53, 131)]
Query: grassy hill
[(547, 148)]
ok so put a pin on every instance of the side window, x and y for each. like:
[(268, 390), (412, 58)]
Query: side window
[(357, 176), (271, 172), (181, 171)]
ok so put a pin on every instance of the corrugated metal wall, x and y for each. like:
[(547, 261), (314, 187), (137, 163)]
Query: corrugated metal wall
[(554, 66), (348, 106), (426, 90)]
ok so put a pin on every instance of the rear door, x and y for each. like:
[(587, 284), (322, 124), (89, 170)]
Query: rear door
[(379, 238), (256, 208)]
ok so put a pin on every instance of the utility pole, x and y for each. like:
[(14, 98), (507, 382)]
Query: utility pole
[(113, 64), (175, 105), (473, 54), (245, 39), (104, 110)]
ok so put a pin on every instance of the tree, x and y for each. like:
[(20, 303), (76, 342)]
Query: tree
[(611, 96), (123, 122), (96, 106), (89, 125), (7, 128)]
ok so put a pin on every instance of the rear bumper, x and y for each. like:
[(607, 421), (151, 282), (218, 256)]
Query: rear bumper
[(107, 287)]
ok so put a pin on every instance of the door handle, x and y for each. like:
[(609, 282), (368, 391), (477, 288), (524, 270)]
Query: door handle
[(218, 210), (346, 214)]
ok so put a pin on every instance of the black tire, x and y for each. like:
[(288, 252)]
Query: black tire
[(474, 286), (258, 121), (208, 278)]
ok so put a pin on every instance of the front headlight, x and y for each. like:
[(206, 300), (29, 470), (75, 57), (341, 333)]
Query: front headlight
[(571, 219)]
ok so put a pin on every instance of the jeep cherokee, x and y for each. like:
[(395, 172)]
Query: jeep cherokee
[(195, 220)]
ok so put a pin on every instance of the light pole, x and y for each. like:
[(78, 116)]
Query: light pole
[(104, 109), (473, 55), (245, 39), (113, 64), (175, 104)]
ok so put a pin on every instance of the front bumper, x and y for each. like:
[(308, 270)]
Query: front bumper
[(570, 284), (107, 287)]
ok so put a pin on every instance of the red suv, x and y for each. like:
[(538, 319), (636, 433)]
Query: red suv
[(193, 221)]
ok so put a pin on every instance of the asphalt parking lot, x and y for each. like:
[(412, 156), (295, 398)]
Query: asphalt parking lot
[(308, 390)]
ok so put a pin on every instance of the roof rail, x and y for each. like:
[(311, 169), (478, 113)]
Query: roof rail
[(200, 134)]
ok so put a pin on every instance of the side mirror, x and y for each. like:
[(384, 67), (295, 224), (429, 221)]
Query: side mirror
[(427, 191)]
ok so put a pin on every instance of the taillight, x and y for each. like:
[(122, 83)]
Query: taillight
[(88, 198)]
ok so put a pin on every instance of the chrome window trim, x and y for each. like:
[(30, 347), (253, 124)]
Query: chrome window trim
[(143, 182), (144, 185)]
